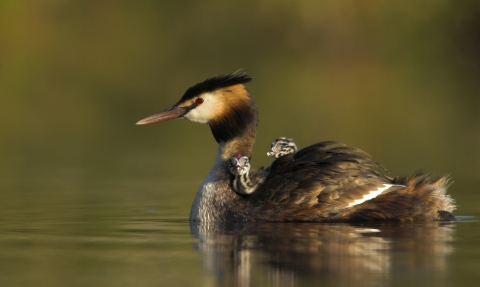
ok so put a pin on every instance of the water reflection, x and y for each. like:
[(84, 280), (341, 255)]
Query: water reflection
[(285, 254)]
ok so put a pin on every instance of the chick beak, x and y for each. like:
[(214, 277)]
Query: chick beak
[(171, 113)]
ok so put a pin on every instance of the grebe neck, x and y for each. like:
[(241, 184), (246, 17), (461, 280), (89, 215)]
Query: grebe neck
[(216, 196)]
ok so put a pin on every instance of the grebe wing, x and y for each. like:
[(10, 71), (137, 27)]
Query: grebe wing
[(326, 173)]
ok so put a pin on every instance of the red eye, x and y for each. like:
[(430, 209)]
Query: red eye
[(198, 101)]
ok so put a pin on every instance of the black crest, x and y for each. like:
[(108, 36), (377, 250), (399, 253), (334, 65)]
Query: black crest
[(216, 82)]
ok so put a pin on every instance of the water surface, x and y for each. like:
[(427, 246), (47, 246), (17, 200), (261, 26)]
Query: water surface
[(131, 232), (89, 199)]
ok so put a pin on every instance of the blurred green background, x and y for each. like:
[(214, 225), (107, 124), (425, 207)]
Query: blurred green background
[(400, 80)]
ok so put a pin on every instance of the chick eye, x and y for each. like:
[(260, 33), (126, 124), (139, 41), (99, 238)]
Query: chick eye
[(198, 101)]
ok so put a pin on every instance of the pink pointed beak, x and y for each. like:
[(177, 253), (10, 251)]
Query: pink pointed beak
[(165, 115)]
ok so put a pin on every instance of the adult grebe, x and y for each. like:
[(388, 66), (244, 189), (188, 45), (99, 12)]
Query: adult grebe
[(325, 182)]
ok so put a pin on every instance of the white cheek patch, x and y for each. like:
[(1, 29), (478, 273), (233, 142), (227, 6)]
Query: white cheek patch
[(371, 194), (206, 111)]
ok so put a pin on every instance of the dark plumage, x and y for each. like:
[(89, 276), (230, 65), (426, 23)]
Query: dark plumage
[(318, 183), (214, 83), (235, 124)]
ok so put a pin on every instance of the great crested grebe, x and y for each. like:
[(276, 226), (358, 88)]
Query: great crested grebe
[(282, 146), (325, 182), (245, 181)]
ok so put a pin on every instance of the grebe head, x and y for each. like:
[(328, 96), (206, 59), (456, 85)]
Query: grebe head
[(282, 146), (220, 101), (238, 164)]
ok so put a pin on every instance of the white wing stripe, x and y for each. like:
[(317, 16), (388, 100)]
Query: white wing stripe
[(371, 194)]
